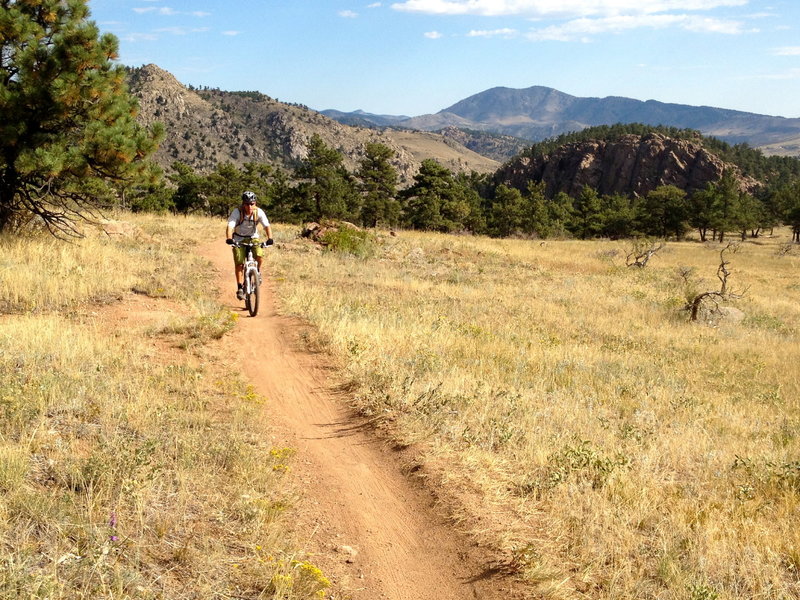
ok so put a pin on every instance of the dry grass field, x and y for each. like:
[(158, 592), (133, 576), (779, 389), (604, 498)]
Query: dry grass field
[(563, 405), (570, 413), (133, 463)]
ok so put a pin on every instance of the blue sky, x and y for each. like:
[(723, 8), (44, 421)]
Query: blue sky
[(414, 57)]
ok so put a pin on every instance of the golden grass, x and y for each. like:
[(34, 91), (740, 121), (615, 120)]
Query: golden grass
[(613, 448), (130, 468)]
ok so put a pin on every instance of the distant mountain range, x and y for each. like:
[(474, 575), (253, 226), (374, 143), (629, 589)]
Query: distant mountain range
[(538, 112)]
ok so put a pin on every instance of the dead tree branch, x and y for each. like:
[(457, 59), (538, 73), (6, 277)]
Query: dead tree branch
[(641, 252), (715, 296)]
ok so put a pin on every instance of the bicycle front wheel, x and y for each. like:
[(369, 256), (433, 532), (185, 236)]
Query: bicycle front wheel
[(253, 292)]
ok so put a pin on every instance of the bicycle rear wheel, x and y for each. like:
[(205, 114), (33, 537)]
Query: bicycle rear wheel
[(252, 297)]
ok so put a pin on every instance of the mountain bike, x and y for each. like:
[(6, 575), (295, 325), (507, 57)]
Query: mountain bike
[(252, 278)]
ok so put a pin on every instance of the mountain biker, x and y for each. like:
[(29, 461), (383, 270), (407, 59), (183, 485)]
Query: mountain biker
[(243, 227)]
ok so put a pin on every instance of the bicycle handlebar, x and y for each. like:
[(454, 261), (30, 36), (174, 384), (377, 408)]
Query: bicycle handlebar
[(248, 244)]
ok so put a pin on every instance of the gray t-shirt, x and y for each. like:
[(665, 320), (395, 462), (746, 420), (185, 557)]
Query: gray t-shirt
[(249, 224)]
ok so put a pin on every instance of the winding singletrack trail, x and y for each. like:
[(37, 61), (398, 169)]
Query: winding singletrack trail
[(375, 530)]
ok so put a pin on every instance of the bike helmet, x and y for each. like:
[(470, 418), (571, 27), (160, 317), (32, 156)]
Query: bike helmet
[(248, 198)]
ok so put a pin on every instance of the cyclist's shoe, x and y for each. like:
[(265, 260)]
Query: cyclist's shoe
[(240, 294), (260, 280)]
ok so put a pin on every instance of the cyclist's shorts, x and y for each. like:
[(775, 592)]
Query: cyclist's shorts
[(239, 254)]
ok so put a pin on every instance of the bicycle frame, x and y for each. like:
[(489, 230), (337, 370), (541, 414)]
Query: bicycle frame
[(252, 279)]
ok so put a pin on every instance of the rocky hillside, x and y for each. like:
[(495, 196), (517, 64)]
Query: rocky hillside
[(207, 127), (631, 165)]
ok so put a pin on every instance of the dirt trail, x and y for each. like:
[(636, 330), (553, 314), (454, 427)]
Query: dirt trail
[(356, 493)]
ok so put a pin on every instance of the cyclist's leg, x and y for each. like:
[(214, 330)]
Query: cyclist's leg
[(258, 251), (238, 261)]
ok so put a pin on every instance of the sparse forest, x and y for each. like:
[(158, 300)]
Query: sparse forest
[(320, 187)]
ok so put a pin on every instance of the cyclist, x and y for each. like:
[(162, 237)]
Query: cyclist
[(243, 227)]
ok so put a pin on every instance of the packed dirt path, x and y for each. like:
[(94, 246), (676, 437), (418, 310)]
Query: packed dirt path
[(375, 530)]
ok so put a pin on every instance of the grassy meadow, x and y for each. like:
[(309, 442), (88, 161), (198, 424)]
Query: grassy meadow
[(561, 403), (133, 462), (569, 412)]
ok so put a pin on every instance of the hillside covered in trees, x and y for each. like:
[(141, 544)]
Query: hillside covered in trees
[(729, 200)]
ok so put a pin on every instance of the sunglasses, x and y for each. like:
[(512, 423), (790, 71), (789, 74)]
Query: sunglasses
[(250, 203)]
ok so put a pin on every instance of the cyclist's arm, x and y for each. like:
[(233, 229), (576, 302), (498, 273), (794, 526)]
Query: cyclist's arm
[(265, 223), (231, 225)]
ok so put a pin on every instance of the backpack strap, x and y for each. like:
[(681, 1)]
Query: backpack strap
[(255, 216)]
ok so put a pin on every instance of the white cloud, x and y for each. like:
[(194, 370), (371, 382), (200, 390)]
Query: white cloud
[(139, 37), (433, 35), (583, 29), (167, 11), (787, 51), (231, 32), (506, 33), (558, 8), (790, 74), (374, 5), (348, 14), (182, 30)]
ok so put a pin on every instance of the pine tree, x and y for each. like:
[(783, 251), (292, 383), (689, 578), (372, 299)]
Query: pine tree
[(326, 190), (378, 180), (68, 129), (664, 212)]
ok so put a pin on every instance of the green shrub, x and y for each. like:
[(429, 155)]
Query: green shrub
[(350, 241)]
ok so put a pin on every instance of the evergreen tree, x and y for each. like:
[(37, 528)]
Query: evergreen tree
[(471, 185), (701, 210), (562, 213), (436, 200), (619, 216), (326, 190), (747, 215), (588, 220), (68, 124), (190, 189), (664, 212), (378, 184), (538, 218), (726, 204), (508, 212), (223, 189), (788, 198)]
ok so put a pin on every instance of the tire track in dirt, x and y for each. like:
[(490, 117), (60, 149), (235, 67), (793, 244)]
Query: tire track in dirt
[(355, 491)]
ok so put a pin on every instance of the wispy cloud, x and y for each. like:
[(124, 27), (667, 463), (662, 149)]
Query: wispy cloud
[(559, 8), (505, 32), (374, 5), (584, 29), (787, 51), (348, 14), (231, 32), (168, 11), (790, 74), (182, 30), (138, 37), (433, 35)]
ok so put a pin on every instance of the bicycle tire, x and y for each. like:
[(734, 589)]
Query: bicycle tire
[(253, 297)]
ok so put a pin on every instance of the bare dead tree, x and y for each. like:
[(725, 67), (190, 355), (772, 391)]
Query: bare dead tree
[(641, 251), (714, 297)]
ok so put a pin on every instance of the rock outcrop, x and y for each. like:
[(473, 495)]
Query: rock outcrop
[(632, 165)]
